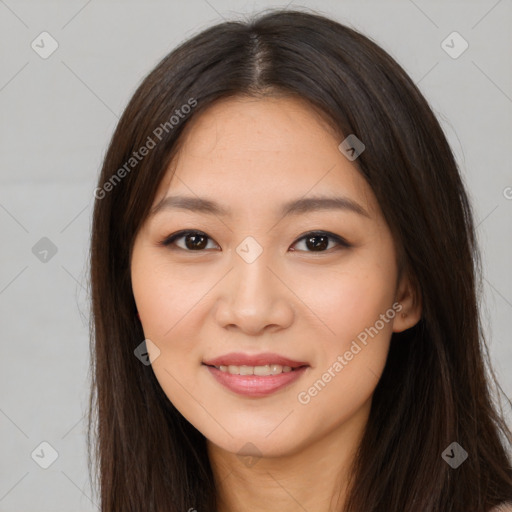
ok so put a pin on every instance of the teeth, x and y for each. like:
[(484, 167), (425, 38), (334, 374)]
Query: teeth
[(261, 371)]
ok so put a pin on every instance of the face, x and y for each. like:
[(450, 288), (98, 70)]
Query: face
[(305, 298)]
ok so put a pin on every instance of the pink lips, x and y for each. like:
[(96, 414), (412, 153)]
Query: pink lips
[(254, 385)]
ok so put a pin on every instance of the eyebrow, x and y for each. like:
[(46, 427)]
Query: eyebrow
[(294, 207)]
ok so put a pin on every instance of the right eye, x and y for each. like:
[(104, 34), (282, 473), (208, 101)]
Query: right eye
[(193, 240)]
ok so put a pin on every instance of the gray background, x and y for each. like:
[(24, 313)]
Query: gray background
[(57, 117)]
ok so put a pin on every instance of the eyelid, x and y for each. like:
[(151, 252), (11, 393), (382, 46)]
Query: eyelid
[(168, 241), (337, 238)]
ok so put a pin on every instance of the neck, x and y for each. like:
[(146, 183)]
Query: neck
[(313, 477)]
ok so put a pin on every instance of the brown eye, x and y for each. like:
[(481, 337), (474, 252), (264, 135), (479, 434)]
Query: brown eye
[(198, 241), (319, 241), (193, 240)]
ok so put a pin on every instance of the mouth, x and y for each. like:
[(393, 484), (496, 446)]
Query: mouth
[(259, 371), (255, 375)]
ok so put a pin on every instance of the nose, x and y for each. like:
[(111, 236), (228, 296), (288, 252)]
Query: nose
[(254, 298)]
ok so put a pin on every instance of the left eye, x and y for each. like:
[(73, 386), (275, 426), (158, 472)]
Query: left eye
[(315, 241), (319, 241)]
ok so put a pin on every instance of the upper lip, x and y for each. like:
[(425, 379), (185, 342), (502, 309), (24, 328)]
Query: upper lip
[(241, 359)]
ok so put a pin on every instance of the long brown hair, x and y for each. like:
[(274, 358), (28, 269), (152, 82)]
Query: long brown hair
[(435, 387)]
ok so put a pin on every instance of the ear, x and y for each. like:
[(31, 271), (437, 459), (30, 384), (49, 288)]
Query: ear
[(408, 296)]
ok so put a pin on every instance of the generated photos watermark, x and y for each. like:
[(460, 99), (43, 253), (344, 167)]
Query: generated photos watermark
[(304, 397), (145, 149)]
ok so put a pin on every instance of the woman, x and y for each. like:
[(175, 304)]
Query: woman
[(284, 275)]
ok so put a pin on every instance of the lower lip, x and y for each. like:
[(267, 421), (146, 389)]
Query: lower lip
[(254, 385)]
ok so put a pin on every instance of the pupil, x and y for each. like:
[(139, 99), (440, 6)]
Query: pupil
[(322, 244), (196, 241)]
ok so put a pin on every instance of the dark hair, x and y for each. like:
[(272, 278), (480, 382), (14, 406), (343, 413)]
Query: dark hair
[(435, 387)]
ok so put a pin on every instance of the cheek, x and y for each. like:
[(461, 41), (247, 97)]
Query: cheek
[(171, 305), (165, 302), (164, 296), (357, 305), (357, 311), (350, 300), (349, 364)]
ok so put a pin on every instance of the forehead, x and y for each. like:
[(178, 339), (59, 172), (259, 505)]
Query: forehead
[(238, 126), (262, 150)]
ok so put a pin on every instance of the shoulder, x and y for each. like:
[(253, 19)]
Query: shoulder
[(504, 507)]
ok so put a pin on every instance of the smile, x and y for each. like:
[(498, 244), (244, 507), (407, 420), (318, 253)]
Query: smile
[(255, 375), (255, 385), (261, 371)]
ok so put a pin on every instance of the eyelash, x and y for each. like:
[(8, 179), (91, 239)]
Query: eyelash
[(169, 240)]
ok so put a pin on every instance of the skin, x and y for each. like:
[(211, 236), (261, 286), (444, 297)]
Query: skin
[(251, 155)]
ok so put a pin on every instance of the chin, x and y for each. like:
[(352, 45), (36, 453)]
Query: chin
[(255, 444)]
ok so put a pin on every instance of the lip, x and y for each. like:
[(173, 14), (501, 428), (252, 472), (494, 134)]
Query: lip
[(241, 359), (253, 385)]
